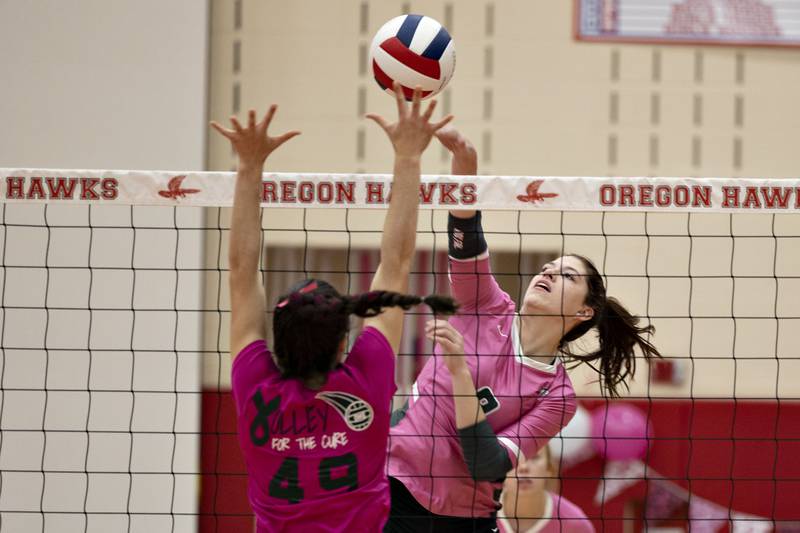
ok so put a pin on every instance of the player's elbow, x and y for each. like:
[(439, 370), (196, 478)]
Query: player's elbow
[(491, 473), (486, 458), (242, 261), (243, 276), (239, 268)]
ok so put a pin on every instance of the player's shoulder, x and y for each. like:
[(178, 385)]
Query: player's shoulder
[(373, 335), (369, 366), (565, 509), (563, 384), (255, 347), (372, 345), (561, 505), (252, 364), (556, 376)]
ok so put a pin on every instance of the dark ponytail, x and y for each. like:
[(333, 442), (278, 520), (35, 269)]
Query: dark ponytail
[(311, 321), (618, 334), (373, 303)]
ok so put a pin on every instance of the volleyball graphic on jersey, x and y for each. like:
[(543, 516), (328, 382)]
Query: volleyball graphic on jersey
[(357, 413), (413, 50)]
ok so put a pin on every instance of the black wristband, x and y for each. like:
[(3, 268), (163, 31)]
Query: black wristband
[(465, 237)]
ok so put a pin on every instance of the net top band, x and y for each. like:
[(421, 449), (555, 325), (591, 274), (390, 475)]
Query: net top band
[(372, 191)]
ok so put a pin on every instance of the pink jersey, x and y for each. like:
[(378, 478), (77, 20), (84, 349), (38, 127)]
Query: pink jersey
[(316, 458), (560, 516), (526, 402)]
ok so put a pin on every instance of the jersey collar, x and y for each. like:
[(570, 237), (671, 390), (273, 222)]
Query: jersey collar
[(523, 359)]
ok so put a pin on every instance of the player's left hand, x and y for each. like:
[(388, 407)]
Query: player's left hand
[(451, 342), (413, 131)]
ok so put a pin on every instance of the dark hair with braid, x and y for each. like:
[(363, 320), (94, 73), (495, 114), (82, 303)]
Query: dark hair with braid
[(312, 320), (618, 334)]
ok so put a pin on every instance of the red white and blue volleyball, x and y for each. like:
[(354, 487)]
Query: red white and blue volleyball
[(413, 50)]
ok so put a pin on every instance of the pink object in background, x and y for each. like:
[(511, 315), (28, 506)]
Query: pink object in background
[(620, 432)]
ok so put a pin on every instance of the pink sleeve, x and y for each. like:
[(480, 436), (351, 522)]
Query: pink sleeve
[(252, 365), (371, 362), (473, 286), (536, 427)]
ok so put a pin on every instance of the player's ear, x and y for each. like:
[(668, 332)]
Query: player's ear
[(585, 313)]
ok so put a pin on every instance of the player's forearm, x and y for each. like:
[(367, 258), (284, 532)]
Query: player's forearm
[(400, 227), (464, 163), (465, 397), (485, 457), (245, 237)]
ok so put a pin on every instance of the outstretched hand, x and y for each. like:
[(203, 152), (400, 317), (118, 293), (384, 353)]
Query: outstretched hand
[(252, 143), (453, 140), (413, 131), (450, 341)]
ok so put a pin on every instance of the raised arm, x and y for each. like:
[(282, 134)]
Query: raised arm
[(410, 135), (464, 162), (248, 306), (471, 281)]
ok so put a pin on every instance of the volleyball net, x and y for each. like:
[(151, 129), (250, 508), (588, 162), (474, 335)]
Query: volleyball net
[(114, 379)]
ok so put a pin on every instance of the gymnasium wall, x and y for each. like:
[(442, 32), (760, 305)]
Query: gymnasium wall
[(92, 84), (536, 102)]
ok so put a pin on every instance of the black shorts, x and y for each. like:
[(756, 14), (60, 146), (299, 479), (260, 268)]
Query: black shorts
[(408, 516)]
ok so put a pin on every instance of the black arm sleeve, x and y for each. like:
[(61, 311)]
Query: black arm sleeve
[(465, 237), (398, 415), (486, 458)]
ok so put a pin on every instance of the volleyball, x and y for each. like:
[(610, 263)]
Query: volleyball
[(413, 50)]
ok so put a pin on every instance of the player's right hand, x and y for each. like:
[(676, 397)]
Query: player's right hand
[(252, 143)]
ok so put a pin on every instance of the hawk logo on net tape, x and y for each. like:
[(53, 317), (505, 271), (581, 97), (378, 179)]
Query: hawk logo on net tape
[(174, 190), (533, 195), (291, 190)]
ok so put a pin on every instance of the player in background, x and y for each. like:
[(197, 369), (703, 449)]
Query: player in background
[(528, 507), (496, 390), (312, 423)]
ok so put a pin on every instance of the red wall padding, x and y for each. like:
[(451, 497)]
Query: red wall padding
[(744, 455), (223, 493)]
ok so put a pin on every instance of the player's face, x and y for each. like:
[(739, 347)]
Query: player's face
[(560, 289), (532, 474)]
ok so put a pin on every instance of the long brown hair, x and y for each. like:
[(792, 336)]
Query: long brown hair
[(618, 333)]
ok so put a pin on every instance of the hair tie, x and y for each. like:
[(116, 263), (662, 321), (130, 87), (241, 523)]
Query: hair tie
[(305, 290), (308, 288)]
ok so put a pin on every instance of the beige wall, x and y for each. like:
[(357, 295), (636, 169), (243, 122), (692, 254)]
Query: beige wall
[(537, 102), (99, 411)]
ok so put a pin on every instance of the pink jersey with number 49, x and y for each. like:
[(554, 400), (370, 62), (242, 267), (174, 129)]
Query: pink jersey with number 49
[(525, 402), (316, 458)]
